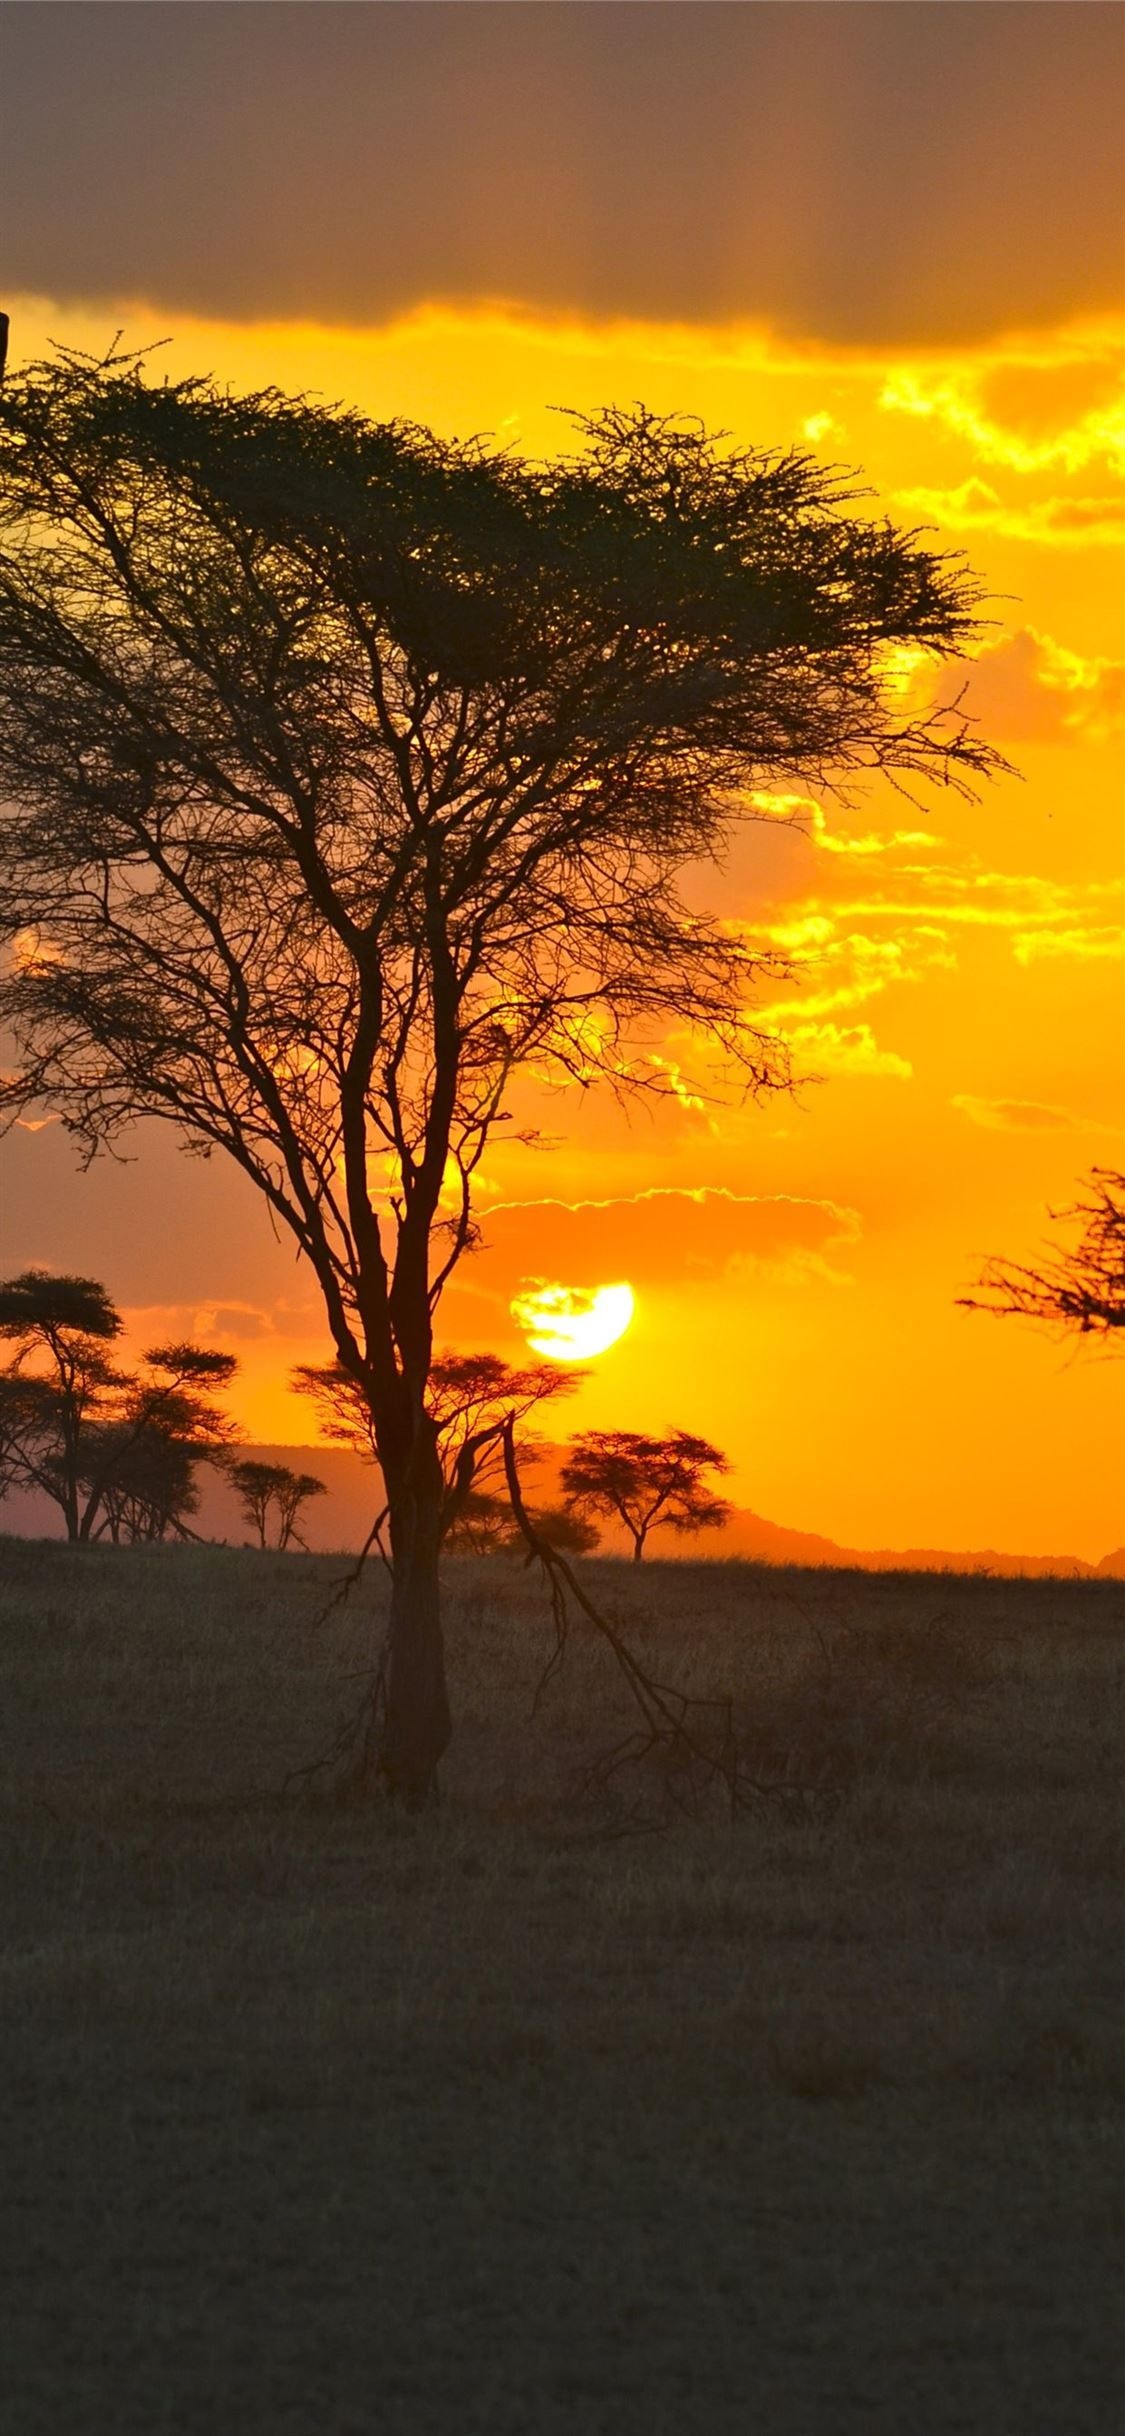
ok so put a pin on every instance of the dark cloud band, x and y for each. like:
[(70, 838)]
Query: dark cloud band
[(851, 172)]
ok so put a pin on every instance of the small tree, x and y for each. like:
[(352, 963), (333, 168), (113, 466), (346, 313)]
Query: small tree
[(143, 1464), (266, 1489), (55, 1388), (486, 1526), (483, 1526), (151, 1491), (115, 1451), (570, 1533), (647, 1483), (471, 1396), (1080, 1288), (346, 773)]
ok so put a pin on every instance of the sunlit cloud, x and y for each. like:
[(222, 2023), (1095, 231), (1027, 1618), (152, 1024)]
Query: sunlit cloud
[(806, 813), (933, 901), (1096, 437), (844, 1050), (973, 506), (660, 1235), (1013, 1116), (836, 969), (1097, 945), (1028, 688)]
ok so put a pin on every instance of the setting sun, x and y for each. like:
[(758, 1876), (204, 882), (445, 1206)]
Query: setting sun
[(568, 1324)]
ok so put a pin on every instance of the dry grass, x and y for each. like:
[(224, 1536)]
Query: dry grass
[(320, 2119)]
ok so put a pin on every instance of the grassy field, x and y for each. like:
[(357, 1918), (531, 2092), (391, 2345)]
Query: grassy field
[(319, 2118)]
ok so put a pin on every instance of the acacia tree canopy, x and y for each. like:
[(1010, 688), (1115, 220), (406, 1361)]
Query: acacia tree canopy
[(346, 770), (116, 1451), (469, 1397), (266, 1489), (646, 1483)]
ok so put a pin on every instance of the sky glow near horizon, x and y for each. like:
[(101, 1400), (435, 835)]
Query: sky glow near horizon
[(795, 1264)]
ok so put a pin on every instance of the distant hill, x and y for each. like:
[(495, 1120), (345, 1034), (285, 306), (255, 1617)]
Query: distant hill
[(342, 1519)]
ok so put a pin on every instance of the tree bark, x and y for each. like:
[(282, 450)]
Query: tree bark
[(417, 1725)]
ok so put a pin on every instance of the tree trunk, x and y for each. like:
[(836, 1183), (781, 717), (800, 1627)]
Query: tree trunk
[(638, 1546), (417, 1727)]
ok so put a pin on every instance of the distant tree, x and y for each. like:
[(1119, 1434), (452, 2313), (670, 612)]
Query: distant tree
[(55, 1387), (470, 1397), (150, 1489), (482, 1527), (1080, 1288), (273, 1489), (114, 1450), (144, 1463), (647, 1483), (486, 1526), (346, 773), (572, 1534)]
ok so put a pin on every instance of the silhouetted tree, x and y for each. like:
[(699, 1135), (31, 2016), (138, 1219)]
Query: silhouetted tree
[(647, 1483), (143, 1464), (54, 1389), (570, 1533), (470, 1397), (266, 1489), (1081, 1286), (84, 1432), (149, 1489), (482, 1527), (486, 1526), (346, 772)]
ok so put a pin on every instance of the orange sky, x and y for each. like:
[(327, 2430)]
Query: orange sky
[(794, 1265)]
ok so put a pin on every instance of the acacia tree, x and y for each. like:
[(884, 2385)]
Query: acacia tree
[(53, 1389), (646, 1483), (469, 1397), (274, 1488), (141, 1466), (115, 1451), (347, 771), (1080, 1287), (486, 1526)]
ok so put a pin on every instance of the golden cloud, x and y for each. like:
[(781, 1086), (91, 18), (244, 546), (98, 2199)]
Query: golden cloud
[(1097, 945), (955, 401), (1013, 1116), (831, 1049), (974, 506), (1030, 689), (663, 1234)]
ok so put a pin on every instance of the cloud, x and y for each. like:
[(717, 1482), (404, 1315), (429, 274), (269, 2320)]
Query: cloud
[(1013, 1116), (668, 1233), (954, 402), (828, 1049), (974, 506), (838, 968), (1029, 689), (927, 904), (862, 175), (228, 1324), (805, 813), (1095, 945)]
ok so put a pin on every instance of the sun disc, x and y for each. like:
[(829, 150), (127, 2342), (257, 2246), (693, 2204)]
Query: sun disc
[(572, 1323)]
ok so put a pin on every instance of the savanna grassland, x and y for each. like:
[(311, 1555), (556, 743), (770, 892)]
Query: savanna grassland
[(318, 2117)]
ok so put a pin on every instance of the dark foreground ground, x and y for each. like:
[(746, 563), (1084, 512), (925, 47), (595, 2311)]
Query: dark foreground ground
[(320, 2119)]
